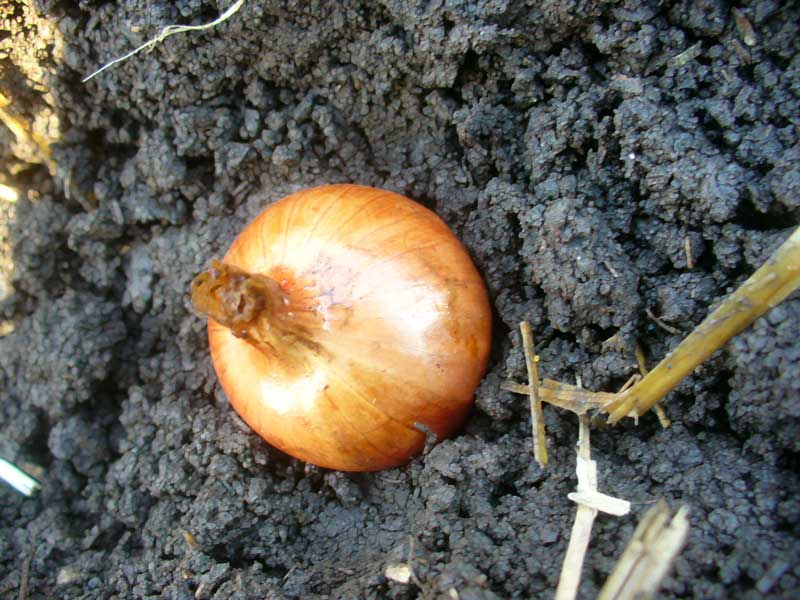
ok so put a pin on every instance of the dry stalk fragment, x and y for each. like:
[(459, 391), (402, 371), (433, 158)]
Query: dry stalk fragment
[(564, 395), (537, 420), (767, 287), (590, 501), (570, 578), (18, 479), (403, 572), (687, 246), (663, 419), (657, 539), (648, 556)]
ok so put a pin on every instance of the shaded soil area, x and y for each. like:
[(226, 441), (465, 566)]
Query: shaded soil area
[(614, 168)]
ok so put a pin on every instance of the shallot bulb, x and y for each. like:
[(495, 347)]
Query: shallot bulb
[(345, 323)]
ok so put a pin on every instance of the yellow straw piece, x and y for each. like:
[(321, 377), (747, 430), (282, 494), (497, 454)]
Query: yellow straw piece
[(767, 287)]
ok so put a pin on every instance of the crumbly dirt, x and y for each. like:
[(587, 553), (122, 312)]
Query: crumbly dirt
[(576, 147)]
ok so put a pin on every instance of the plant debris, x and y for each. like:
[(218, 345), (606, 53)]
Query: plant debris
[(165, 33), (649, 555), (778, 277), (18, 479), (590, 501)]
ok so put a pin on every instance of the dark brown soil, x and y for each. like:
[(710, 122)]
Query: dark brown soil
[(573, 145)]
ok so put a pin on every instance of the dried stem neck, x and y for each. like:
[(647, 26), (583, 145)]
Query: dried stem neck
[(253, 307)]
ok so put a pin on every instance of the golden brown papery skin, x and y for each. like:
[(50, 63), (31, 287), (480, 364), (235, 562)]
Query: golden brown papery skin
[(394, 323)]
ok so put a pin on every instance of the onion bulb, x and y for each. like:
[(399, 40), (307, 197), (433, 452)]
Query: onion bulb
[(346, 324)]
